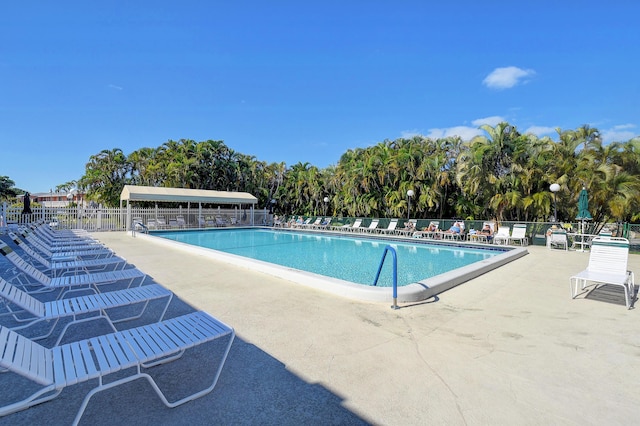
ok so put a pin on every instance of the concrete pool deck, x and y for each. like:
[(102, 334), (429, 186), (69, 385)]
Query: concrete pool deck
[(508, 347)]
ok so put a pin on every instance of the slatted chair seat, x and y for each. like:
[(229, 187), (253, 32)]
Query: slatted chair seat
[(57, 253), (58, 241), (60, 234), (372, 228), (80, 279), (75, 307), (77, 362), (61, 265), (354, 227)]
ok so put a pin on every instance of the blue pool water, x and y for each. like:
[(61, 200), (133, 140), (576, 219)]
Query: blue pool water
[(346, 258)]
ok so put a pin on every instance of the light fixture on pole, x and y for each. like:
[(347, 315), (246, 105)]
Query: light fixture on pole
[(409, 195), (326, 200), (554, 187)]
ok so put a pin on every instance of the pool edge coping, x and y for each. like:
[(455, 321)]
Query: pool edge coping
[(416, 292)]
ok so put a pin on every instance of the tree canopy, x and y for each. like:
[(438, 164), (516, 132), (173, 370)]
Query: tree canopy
[(501, 174)]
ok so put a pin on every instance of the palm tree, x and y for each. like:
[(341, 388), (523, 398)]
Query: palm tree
[(105, 175)]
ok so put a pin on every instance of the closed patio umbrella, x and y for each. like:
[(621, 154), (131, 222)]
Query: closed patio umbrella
[(27, 204), (583, 207)]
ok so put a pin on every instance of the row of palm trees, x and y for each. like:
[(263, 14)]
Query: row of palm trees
[(501, 174)]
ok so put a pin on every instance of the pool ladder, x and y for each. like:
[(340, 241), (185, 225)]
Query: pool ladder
[(142, 226), (395, 274)]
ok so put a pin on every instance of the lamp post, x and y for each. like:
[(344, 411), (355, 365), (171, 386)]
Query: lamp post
[(409, 195), (326, 200), (554, 187)]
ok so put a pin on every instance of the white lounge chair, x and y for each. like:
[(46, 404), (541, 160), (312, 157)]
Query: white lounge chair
[(305, 223), (431, 231), (479, 236), (96, 358), (97, 304), (519, 234), (62, 233), (502, 236), (47, 282), (313, 224), (349, 227), (180, 222), (391, 228), (49, 234), (325, 223), (83, 244), (372, 226), (409, 228), (452, 235), (607, 265), (58, 254), (102, 263)]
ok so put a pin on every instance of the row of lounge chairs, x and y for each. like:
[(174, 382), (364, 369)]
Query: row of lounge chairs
[(47, 276), (179, 222), (504, 235)]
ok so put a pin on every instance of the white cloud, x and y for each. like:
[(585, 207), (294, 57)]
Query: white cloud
[(506, 77), (465, 132), (408, 134), (113, 86), (619, 133), (491, 121), (541, 130)]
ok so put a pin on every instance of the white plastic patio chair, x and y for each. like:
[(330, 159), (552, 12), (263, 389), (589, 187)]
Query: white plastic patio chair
[(607, 265), (502, 236), (558, 239), (519, 234), (96, 358)]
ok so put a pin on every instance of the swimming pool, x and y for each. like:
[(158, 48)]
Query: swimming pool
[(325, 260)]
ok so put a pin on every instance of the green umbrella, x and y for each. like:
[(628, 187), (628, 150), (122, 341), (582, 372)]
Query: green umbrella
[(583, 206)]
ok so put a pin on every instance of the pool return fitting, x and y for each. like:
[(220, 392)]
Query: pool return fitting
[(395, 274)]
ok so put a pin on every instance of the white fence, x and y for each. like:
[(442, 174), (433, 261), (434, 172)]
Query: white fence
[(117, 219)]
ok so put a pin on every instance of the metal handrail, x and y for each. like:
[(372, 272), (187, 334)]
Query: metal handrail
[(395, 274), (134, 227)]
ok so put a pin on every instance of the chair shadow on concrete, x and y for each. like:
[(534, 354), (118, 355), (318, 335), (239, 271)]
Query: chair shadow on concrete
[(253, 389)]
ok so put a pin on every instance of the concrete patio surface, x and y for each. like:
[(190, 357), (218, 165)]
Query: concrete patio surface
[(509, 347)]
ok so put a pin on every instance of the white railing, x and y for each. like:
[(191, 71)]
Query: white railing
[(120, 219)]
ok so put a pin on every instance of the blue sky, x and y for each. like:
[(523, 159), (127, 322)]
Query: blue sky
[(298, 81)]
